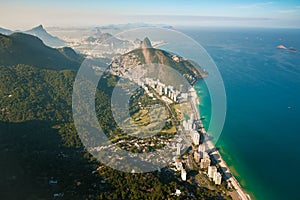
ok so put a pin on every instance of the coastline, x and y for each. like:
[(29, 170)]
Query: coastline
[(226, 171), (217, 157)]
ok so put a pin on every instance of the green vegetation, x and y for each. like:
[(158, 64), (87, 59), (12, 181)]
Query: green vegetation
[(39, 142), (184, 67), (20, 48)]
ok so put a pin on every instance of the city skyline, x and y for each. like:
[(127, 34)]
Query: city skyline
[(24, 15)]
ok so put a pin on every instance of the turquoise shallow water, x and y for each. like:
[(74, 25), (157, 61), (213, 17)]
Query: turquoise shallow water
[(260, 139)]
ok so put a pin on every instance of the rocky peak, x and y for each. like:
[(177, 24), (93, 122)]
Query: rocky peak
[(146, 43), (39, 27)]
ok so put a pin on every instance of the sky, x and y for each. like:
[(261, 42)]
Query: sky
[(19, 14)]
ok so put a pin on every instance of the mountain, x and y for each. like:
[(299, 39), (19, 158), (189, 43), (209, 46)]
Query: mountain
[(5, 31), (107, 38), (146, 43), (37, 139), (98, 32), (91, 39), (48, 39), (21, 48), (147, 55), (70, 54)]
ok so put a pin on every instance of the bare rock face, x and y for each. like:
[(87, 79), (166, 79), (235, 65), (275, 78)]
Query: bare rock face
[(146, 43), (281, 47)]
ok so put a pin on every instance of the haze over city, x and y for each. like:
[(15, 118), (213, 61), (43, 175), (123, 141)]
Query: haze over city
[(18, 14)]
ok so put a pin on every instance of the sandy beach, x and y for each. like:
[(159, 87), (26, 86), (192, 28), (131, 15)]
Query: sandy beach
[(230, 178), (215, 154)]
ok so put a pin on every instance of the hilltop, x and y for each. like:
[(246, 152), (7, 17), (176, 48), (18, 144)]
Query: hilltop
[(106, 38), (146, 43), (48, 39), (146, 54), (5, 31), (41, 33)]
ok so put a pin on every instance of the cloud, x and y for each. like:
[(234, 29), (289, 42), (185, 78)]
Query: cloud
[(286, 11), (254, 5)]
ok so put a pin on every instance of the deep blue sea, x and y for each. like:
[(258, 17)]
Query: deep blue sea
[(261, 137)]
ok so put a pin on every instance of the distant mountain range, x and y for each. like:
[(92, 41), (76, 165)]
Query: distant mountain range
[(132, 26), (21, 48), (41, 33), (107, 38)]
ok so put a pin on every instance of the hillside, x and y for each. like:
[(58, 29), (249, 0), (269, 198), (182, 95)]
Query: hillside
[(5, 31), (147, 54), (39, 143), (20, 48), (48, 39), (108, 39)]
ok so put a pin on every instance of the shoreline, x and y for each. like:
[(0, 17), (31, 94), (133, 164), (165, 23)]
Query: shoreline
[(217, 157), (226, 171)]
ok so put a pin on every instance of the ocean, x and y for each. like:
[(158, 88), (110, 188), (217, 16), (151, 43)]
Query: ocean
[(261, 135)]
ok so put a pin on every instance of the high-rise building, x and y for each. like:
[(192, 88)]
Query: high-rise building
[(195, 137), (170, 89), (184, 95), (205, 161), (186, 125), (197, 156), (181, 88), (189, 124), (171, 95), (166, 91), (175, 97), (147, 80), (203, 131), (217, 178), (178, 149), (201, 150), (159, 89), (211, 171), (151, 84), (183, 174), (194, 126), (192, 117)]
